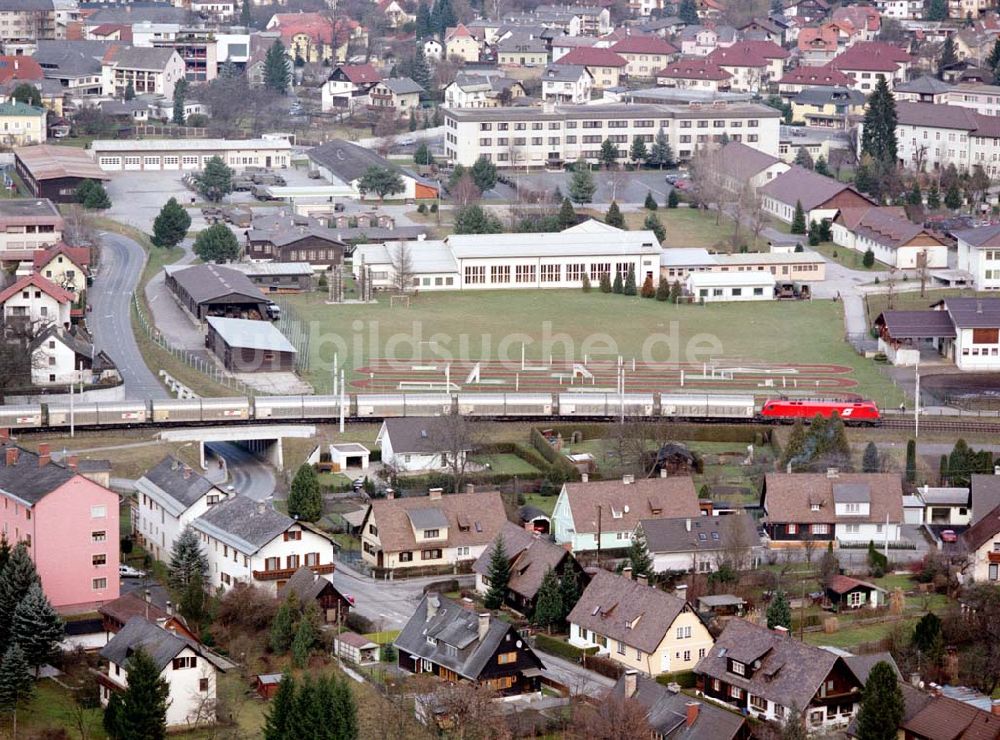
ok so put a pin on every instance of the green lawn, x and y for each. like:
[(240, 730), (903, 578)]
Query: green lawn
[(483, 324), (52, 707), (854, 636), (685, 227), (506, 463), (543, 503), (850, 258)]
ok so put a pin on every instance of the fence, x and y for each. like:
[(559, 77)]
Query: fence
[(205, 367), (173, 132), (297, 332)]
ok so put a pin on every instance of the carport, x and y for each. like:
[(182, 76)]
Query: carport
[(214, 290)]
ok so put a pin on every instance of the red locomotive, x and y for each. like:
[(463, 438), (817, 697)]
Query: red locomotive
[(852, 412)]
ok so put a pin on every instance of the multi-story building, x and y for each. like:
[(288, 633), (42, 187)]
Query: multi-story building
[(868, 61), (27, 225), (26, 21), (565, 83), (146, 70), (753, 65), (901, 10), (198, 49), (604, 65), (519, 137), (935, 136), (979, 255), (646, 55), (22, 124)]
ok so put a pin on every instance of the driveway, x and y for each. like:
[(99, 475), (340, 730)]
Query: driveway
[(110, 319)]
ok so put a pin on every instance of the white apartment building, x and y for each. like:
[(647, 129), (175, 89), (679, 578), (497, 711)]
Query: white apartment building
[(901, 10), (979, 255), (567, 83), (931, 137), (533, 137)]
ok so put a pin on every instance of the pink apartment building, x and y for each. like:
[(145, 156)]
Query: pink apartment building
[(68, 522)]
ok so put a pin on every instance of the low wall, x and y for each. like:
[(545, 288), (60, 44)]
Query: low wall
[(114, 393)]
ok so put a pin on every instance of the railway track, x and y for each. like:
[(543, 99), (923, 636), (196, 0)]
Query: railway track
[(944, 424)]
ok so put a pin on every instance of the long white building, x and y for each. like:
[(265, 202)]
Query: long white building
[(502, 261), (533, 137), (113, 155)]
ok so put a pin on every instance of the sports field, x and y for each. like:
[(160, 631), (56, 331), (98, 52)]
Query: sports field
[(765, 348)]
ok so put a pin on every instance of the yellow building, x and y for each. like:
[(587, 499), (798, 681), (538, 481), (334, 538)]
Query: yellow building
[(21, 124), (828, 107), (460, 44), (637, 625)]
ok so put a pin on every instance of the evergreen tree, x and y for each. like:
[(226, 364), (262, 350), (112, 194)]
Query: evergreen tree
[(569, 590), (305, 636), (217, 244), (663, 291), (638, 556), (215, 181), (283, 629), (16, 682), (796, 445), (581, 185), (672, 199), (142, 712), (868, 258), (609, 154), (993, 61), (953, 197), (423, 24), (928, 638), (171, 224), (92, 195), (949, 56), (825, 234), (936, 10), (5, 552), (307, 720), (799, 219), (614, 216), (277, 77), (653, 223), (878, 139), (567, 216), (779, 613), (548, 602), (814, 238), (193, 600), (344, 710), (650, 203), (279, 716), (180, 99), (629, 288), (423, 155), (28, 94), (959, 465), (804, 159), (129, 93), (676, 292), (821, 167), (605, 283), (660, 154), (382, 181), (618, 285), (498, 575), (305, 502), (934, 197), (829, 565), (17, 578), (37, 628), (419, 69), (472, 219), (186, 560), (915, 197), (412, 124), (911, 461), (687, 11), (246, 17), (881, 705), (943, 470), (484, 174), (638, 152), (585, 283), (871, 463)]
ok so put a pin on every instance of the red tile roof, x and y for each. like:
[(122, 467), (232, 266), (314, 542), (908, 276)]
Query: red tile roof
[(457, 32), (19, 68), (315, 25), (823, 38), (871, 56), (79, 256), (593, 57), (821, 76), (644, 45), (360, 74), (860, 16), (59, 294), (747, 54), (698, 68)]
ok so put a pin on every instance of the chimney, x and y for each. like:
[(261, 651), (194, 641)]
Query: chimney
[(915, 680), (788, 468), (692, 712), (12, 453), (663, 472), (628, 480), (187, 472), (642, 578), (260, 507), (73, 462), (627, 572), (435, 493), (681, 591), (44, 454), (432, 606), (170, 608), (687, 524), (584, 477), (631, 682), (148, 596), (995, 707), (781, 630), (484, 625), (832, 473)]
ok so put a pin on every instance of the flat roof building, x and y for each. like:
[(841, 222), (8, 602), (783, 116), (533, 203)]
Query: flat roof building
[(28, 224), (715, 287), (246, 346), (802, 266)]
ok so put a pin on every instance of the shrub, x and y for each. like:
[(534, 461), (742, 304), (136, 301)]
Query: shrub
[(357, 623), (434, 207), (685, 679), (555, 646), (422, 208)]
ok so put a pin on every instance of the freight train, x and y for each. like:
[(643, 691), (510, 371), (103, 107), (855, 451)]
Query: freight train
[(359, 406)]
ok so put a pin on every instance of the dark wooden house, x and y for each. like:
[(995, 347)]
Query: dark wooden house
[(55, 172), (246, 346), (455, 644), (311, 587)]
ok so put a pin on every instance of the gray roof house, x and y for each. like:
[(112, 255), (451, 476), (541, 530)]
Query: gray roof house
[(174, 486), (243, 523), (455, 644), (214, 290), (419, 442), (402, 85), (701, 544)]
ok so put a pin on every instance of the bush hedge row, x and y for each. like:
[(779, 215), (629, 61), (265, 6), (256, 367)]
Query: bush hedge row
[(684, 679), (555, 646), (561, 465)]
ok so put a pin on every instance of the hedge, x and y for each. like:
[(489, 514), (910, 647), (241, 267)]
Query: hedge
[(558, 461), (684, 679), (748, 433), (528, 454), (563, 649)]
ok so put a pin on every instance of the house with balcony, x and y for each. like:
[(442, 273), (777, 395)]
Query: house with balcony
[(637, 625), (567, 83), (765, 673), (28, 224), (36, 302), (147, 70), (433, 531), (401, 95), (981, 543), (247, 541), (347, 86)]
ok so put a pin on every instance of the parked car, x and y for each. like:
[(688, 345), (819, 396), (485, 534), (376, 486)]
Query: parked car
[(127, 571), (948, 535)]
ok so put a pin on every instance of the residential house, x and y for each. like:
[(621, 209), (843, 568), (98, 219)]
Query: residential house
[(565, 83), (395, 13), (803, 77), (37, 302), (22, 124), (348, 86), (519, 50), (965, 330), (68, 267), (979, 255), (433, 531), (938, 717), (703, 544), (866, 20), (460, 44), (169, 497), (310, 587), (752, 64), (68, 522), (531, 557), (146, 70), (702, 40), (189, 669), (152, 604), (59, 357), (832, 507), (906, 10), (646, 55), (25, 22), (313, 37), (672, 715), (821, 197), (345, 163), (869, 61), (694, 73), (828, 107), (420, 444), (844, 592), (891, 237), (281, 238), (445, 639), (603, 515), (75, 65), (637, 625), (945, 506), (818, 44), (400, 95), (748, 166), (984, 494), (604, 65), (764, 29), (433, 50), (247, 541), (766, 674), (482, 90), (26, 225), (809, 11), (563, 45)]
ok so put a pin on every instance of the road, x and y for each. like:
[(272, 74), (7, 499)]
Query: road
[(247, 475), (110, 319)]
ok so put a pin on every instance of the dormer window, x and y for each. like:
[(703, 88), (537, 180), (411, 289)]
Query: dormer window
[(615, 514), (431, 640), (814, 507), (430, 534), (738, 668)]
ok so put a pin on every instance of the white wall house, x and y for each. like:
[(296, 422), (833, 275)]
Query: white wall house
[(416, 444), (567, 83), (36, 301), (718, 287), (979, 255)]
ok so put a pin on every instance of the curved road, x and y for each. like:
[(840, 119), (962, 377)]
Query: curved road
[(110, 319), (248, 475)]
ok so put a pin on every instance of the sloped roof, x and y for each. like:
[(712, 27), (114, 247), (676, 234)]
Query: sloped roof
[(841, 584), (824, 76), (530, 557), (138, 57), (79, 256), (790, 497), (916, 324), (924, 85), (886, 227), (246, 524), (966, 313), (801, 185), (174, 485), (402, 85), (418, 434), (359, 74), (644, 45), (564, 72), (28, 481), (936, 116), (694, 68), (346, 160), (593, 57), (984, 236), (250, 334), (984, 494), (667, 712), (707, 533), (823, 38), (744, 162), (47, 162), (871, 56), (19, 68), (824, 95), (205, 283), (161, 645), (306, 585), (626, 610), (950, 719), (35, 280), (747, 54), (625, 505)]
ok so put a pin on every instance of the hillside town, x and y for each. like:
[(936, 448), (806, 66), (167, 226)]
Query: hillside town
[(379, 369)]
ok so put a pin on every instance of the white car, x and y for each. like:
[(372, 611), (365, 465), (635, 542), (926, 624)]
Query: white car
[(127, 571), (406, 141)]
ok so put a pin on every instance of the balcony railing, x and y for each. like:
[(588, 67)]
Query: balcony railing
[(993, 557), (285, 573)]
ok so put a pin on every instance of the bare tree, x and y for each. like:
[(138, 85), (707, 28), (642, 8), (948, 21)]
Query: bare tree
[(402, 267), (78, 228), (808, 547), (613, 718), (472, 711), (458, 435), (465, 191), (923, 274), (737, 551), (708, 172), (757, 218)]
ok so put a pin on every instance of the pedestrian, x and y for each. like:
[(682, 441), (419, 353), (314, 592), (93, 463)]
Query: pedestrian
[(902, 406)]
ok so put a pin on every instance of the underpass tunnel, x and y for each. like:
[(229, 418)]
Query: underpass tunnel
[(269, 451)]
